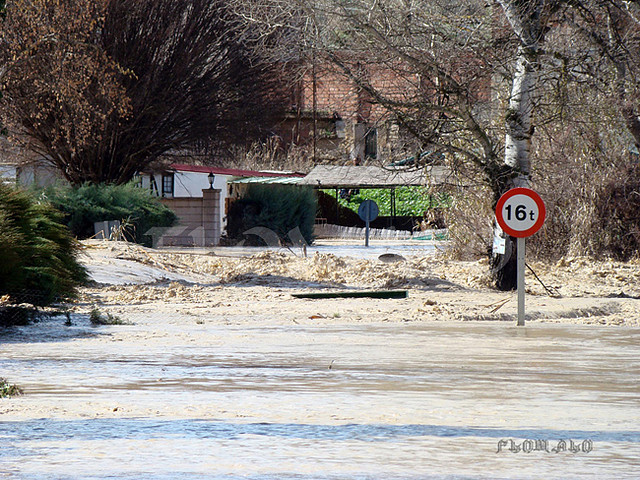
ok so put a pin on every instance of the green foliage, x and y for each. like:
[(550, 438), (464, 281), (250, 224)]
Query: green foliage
[(89, 203), (97, 318), (37, 253), (280, 208), (8, 390), (410, 201)]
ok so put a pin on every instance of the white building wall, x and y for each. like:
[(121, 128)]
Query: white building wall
[(190, 185)]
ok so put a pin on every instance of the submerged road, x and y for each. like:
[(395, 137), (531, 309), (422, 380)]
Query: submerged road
[(384, 401)]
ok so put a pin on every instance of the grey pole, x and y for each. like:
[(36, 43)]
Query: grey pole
[(521, 264), (367, 214)]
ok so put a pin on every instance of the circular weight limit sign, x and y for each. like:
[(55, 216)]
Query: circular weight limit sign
[(520, 212), (368, 211)]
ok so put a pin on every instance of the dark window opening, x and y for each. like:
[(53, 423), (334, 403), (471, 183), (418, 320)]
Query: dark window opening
[(167, 185), (371, 143)]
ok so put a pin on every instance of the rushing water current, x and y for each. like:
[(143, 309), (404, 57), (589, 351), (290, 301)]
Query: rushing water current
[(384, 401)]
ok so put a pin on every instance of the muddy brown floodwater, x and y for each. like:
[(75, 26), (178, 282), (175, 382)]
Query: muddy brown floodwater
[(432, 400)]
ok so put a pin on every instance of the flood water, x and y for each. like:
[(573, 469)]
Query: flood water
[(387, 401)]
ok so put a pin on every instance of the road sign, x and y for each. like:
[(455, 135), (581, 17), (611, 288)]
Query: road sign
[(520, 212), (368, 211)]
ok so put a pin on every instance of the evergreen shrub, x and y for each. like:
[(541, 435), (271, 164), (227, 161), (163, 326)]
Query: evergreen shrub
[(38, 263), (280, 208), (89, 203)]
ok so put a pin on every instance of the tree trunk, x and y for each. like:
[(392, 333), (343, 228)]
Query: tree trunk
[(504, 267), (524, 17)]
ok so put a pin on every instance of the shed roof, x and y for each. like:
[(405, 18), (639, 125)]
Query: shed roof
[(358, 176), (267, 180)]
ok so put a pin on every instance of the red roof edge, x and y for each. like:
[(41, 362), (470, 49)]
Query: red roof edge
[(230, 171)]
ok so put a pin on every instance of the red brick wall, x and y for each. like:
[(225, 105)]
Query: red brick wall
[(336, 95)]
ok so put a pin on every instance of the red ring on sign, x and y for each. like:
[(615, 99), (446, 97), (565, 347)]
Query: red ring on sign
[(542, 212)]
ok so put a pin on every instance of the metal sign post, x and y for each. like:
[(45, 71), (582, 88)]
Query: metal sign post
[(368, 211), (521, 266), (520, 212), (366, 235)]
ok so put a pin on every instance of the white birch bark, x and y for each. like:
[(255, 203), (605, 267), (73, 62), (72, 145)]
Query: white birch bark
[(524, 17)]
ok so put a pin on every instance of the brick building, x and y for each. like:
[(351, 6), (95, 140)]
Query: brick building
[(345, 125), (333, 114)]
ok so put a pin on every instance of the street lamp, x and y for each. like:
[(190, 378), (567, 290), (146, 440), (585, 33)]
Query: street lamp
[(211, 176)]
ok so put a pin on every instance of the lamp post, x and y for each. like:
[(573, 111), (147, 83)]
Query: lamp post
[(211, 177)]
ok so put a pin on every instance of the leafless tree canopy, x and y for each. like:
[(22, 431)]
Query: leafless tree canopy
[(59, 88), (165, 75), (432, 65)]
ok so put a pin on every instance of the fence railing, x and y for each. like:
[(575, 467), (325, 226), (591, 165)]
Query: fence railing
[(328, 230)]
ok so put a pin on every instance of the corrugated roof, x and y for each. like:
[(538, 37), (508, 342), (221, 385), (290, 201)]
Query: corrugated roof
[(352, 176), (267, 180)]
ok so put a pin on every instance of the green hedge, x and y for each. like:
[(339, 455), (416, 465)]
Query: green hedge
[(89, 203), (280, 208), (38, 262), (410, 201)]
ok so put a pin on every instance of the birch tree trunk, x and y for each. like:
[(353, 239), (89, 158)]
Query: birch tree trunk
[(524, 18)]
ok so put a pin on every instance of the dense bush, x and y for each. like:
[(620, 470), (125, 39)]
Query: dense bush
[(618, 212), (277, 207), (589, 182), (89, 203), (37, 253)]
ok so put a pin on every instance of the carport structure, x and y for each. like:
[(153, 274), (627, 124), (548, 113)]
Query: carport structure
[(370, 176)]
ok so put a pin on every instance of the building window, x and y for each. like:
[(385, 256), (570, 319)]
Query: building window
[(167, 185), (371, 143)]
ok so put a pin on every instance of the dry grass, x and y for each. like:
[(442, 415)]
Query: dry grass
[(269, 155), (469, 223)]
